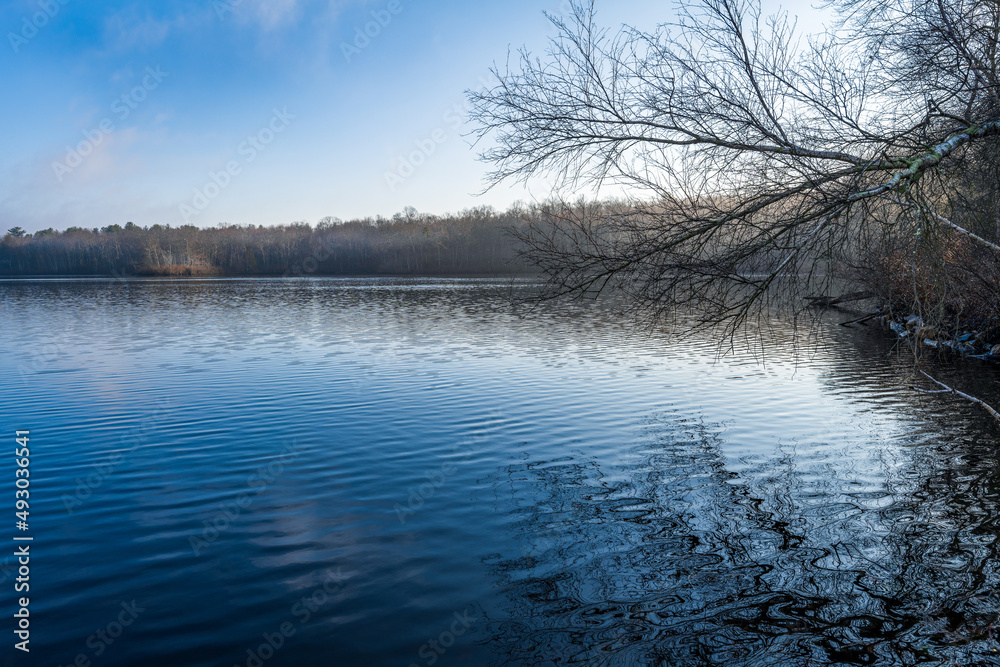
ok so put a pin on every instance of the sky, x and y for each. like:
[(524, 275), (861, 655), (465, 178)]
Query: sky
[(255, 111)]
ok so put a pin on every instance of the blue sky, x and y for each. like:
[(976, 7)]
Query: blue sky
[(252, 111)]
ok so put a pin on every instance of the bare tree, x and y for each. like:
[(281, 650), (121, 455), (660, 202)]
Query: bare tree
[(761, 164)]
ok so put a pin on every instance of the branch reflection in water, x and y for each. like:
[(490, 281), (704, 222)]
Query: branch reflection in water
[(880, 548)]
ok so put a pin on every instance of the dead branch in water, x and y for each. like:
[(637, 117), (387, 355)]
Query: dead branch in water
[(947, 389), (862, 320), (827, 301)]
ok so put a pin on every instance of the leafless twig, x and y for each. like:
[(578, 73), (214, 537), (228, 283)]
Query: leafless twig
[(946, 390)]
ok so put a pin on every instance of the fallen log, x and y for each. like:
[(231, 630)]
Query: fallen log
[(862, 320), (826, 301)]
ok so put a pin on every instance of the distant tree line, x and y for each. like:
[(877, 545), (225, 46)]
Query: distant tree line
[(475, 241)]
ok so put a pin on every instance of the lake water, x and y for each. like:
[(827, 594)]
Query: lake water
[(414, 472)]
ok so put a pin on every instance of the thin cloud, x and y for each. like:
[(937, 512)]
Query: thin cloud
[(129, 29)]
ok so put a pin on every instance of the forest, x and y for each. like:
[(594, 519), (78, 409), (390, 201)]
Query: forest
[(477, 241)]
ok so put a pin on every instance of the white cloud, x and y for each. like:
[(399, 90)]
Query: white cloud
[(273, 14), (129, 29)]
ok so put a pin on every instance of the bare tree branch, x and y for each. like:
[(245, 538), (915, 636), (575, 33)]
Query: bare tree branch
[(756, 168)]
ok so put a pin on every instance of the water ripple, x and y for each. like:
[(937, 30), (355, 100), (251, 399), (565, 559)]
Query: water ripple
[(563, 487)]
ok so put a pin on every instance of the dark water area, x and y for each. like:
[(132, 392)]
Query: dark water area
[(412, 472)]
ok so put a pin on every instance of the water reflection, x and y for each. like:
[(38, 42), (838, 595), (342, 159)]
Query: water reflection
[(630, 498), (875, 546)]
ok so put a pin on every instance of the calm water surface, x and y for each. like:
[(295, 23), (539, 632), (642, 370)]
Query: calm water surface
[(410, 472)]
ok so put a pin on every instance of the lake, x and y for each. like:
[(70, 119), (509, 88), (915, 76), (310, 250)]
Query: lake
[(416, 472)]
